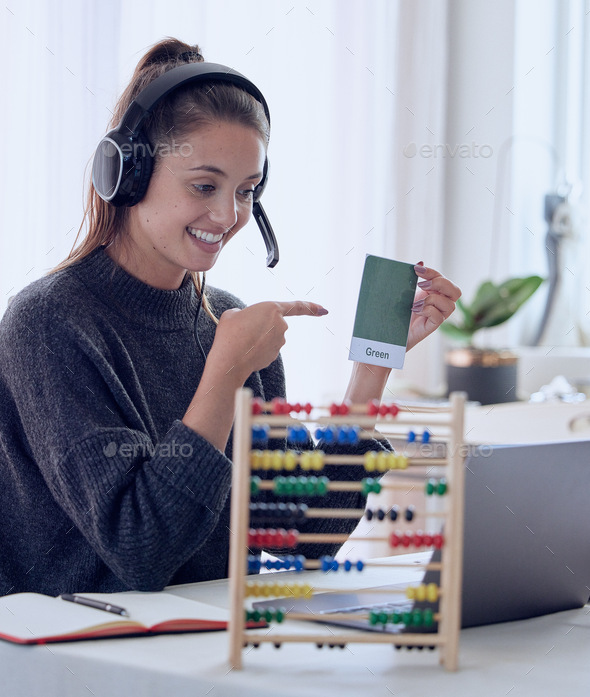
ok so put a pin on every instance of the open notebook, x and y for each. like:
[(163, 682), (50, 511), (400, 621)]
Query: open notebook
[(32, 618), (526, 541)]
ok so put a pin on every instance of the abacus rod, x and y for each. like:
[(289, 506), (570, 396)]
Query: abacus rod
[(359, 638), (432, 566), (268, 484), (318, 589), (335, 616), (370, 421), (411, 460), (360, 512), (360, 408), (314, 537)]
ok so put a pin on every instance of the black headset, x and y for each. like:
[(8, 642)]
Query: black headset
[(123, 160)]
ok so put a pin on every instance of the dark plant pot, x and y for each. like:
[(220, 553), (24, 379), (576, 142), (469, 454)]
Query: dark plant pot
[(486, 375)]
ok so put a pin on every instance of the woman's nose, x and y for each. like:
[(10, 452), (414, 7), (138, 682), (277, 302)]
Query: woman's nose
[(223, 211)]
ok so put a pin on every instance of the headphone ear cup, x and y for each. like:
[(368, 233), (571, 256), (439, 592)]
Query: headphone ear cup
[(122, 168)]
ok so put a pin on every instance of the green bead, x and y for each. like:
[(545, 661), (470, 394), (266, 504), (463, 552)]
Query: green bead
[(372, 618), (322, 487), (428, 617), (256, 615), (291, 485), (417, 618), (248, 617), (367, 485), (299, 487), (311, 485), (382, 618), (407, 618), (396, 618), (429, 488), (254, 485), (377, 487), (269, 614), (280, 614), (441, 489)]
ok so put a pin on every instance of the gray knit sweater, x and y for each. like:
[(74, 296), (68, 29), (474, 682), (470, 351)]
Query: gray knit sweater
[(103, 487)]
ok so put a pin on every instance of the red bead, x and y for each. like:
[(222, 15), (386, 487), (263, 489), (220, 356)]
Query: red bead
[(291, 538), (333, 409), (277, 405), (394, 540), (297, 408), (428, 540), (383, 410), (438, 541), (307, 408), (251, 538), (406, 540), (344, 409), (418, 539), (257, 406), (373, 407), (394, 410)]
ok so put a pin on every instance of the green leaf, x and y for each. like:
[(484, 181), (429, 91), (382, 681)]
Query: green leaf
[(510, 296), (454, 331)]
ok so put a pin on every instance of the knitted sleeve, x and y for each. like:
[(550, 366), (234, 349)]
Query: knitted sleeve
[(145, 508)]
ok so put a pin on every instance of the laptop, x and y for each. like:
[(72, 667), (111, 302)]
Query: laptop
[(526, 539)]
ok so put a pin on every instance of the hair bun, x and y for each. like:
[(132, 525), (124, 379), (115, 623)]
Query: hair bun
[(171, 51)]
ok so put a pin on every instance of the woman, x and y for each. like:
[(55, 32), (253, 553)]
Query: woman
[(114, 436)]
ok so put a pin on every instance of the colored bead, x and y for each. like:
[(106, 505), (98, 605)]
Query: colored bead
[(421, 593), (401, 462), (381, 514), (299, 562), (411, 437), (407, 618), (382, 617), (254, 485), (277, 460), (322, 487), (305, 460), (394, 410), (317, 460), (419, 539), (394, 540), (372, 618), (426, 437), (428, 617), (409, 514), (373, 407), (333, 409), (257, 406), (369, 514), (260, 434), (429, 487), (432, 592), (441, 489), (438, 541), (344, 409), (393, 513), (383, 410), (360, 565), (417, 618), (290, 460), (370, 461), (255, 459), (382, 462), (307, 408), (347, 565)]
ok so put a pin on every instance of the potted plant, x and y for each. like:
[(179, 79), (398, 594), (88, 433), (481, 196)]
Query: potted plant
[(486, 375)]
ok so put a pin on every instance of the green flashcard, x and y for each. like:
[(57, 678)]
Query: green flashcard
[(383, 312)]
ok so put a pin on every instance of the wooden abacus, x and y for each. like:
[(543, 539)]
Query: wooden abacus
[(345, 424)]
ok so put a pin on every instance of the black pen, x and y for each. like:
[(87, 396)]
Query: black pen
[(97, 604)]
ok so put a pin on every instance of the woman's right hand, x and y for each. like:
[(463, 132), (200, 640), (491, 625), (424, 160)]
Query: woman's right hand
[(250, 339)]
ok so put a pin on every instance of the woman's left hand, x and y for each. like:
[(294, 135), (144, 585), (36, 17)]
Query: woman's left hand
[(434, 302)]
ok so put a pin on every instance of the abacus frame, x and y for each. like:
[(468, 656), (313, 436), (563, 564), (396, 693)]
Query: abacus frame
[(447, 421)]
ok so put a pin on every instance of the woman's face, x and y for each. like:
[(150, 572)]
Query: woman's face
[(199, 196)]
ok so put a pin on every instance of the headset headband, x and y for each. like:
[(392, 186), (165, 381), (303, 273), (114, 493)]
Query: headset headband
[(123, 161)]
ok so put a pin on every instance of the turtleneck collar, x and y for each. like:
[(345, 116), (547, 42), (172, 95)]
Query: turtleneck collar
[(153, 307)]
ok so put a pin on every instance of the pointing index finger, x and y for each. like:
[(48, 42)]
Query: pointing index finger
[(301, 307)]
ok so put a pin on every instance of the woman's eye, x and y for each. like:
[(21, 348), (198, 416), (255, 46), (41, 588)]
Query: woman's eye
[(247, 194), (204, 188)]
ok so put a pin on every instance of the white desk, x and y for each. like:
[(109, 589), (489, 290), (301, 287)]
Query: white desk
[(545, 656)]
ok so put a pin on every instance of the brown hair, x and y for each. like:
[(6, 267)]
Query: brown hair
[(187, 108)]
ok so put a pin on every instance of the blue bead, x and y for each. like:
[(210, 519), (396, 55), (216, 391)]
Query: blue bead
[(326, 563), (299, 562), (347, 565), (335, 565), (359, 565), (330, 435), (425, 436), (253, 564), (260, 434), (288, 561), (319, 433), (302, 434), (411, 437), (342, 435), (353, 435)]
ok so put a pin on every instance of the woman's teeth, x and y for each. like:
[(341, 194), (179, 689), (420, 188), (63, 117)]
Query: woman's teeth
[(205, 236)]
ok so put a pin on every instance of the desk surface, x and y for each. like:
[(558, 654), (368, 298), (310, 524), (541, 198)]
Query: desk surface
[(542, 656)]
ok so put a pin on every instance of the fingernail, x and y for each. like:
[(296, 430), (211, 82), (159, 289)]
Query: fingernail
[(420, 270), (418, 305), (420, 263), (322, 311), (424, 284)]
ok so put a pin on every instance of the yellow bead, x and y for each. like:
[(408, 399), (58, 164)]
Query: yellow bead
[(255, 459), (421, 592), (290, 460), (370, 461), (402, 462), (382, 462), (410, 593), (307, 591), (266, 459), (317, 460), (305, 461), (277, 460), (432, 592)]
